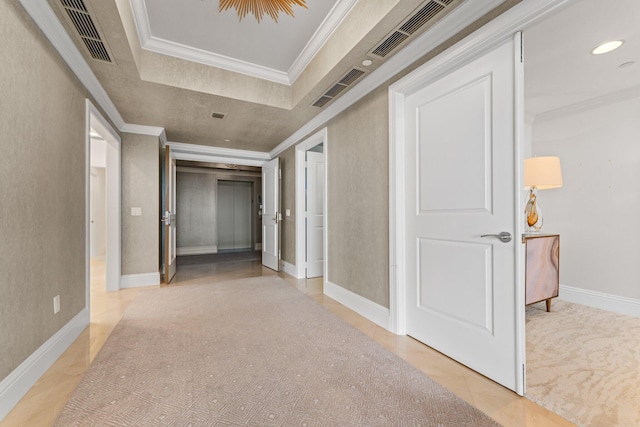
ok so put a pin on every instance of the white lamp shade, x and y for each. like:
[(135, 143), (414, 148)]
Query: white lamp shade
[(542, 172)]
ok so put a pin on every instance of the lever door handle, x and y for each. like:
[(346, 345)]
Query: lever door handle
[(505, 237)]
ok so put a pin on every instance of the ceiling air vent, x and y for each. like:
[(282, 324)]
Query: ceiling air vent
[(87, 30), (410, 26), (346, 80), (218, 115)]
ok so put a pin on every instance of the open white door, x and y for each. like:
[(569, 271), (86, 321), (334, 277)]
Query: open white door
[(169, 216), (271, 214), (315, 214), (460, 185)]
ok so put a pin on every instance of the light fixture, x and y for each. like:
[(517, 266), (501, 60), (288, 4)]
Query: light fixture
[(607, 47), (261, 7), (540, 173), (367, 62)]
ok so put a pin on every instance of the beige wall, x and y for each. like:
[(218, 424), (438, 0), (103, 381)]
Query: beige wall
[(288, 201), (140, 177), (42, 188)]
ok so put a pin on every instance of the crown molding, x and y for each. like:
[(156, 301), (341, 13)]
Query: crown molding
[(46, 19), (333, 20), (142, 129), (203, 153), (589, 104), (201, 56)]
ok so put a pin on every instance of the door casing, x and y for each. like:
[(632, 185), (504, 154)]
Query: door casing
[(320, 137)]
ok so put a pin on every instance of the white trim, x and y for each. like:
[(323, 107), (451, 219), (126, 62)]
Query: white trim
[(139, 280), (291, 270), (363, 306), (497, 31), (18, 382), (617, 304), (142, 129), (113, 258), (319, 137), (193, 54), (444, 29), (196, 250), (46, 19), (202, 153), (335, 17)]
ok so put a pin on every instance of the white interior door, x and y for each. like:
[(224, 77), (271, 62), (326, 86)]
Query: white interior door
[(271, 214), (460, 185), (169, 216), (315, 214)]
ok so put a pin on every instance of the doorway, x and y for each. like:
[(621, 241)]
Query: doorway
[(311, 206), (102, 203)]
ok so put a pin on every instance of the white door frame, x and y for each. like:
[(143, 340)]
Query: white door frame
[(319, 137), (95, 120)]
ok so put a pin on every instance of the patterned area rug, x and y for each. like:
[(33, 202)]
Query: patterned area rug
[(252, 352), (584, 364)]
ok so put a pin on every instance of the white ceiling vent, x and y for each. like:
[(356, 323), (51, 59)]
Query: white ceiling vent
[(87, 29), (335, 90), (411, 26)]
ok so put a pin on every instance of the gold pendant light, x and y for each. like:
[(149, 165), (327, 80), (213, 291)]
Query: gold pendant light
[(261, 7)]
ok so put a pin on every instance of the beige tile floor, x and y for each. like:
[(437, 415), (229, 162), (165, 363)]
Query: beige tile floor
[(46, 398)]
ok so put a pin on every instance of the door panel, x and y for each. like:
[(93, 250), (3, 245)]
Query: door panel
[(270, 214), (315, 214), (169, 217), (459, 177)]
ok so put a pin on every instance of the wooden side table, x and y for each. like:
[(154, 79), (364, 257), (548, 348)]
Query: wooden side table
[(542, 269)]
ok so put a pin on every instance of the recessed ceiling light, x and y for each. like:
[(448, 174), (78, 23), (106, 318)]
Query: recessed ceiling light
[(607, 47), (227, 140), (367, 62)]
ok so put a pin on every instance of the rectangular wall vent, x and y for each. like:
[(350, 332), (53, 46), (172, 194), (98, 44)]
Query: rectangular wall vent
[(218, 115), (335, 90), (87, 30), (417, 21)]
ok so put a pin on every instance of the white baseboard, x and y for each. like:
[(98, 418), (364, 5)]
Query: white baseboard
[(258, 247), (291, 270), (617, 304), (364, 307), (18, 382), (139, 280), (196, 250)]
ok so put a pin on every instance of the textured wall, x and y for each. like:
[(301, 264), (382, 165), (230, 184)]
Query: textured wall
[(288, 201), (42, 188), (358, 198), (140, 177), (596, 211)]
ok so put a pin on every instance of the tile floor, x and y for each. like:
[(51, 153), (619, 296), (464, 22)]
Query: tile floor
[(46, 398)]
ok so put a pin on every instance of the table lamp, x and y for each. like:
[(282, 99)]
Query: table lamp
[(540, 173)]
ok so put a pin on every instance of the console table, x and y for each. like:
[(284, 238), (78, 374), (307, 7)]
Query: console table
[(542, 269)]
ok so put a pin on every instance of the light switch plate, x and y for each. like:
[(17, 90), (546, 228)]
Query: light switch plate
[(136, 211), (288, 212)]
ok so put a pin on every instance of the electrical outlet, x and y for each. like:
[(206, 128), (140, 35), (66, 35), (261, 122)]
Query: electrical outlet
[(136, 211), (56, 304)]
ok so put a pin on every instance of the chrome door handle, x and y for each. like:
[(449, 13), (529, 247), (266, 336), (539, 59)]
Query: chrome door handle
[(505, 237)]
